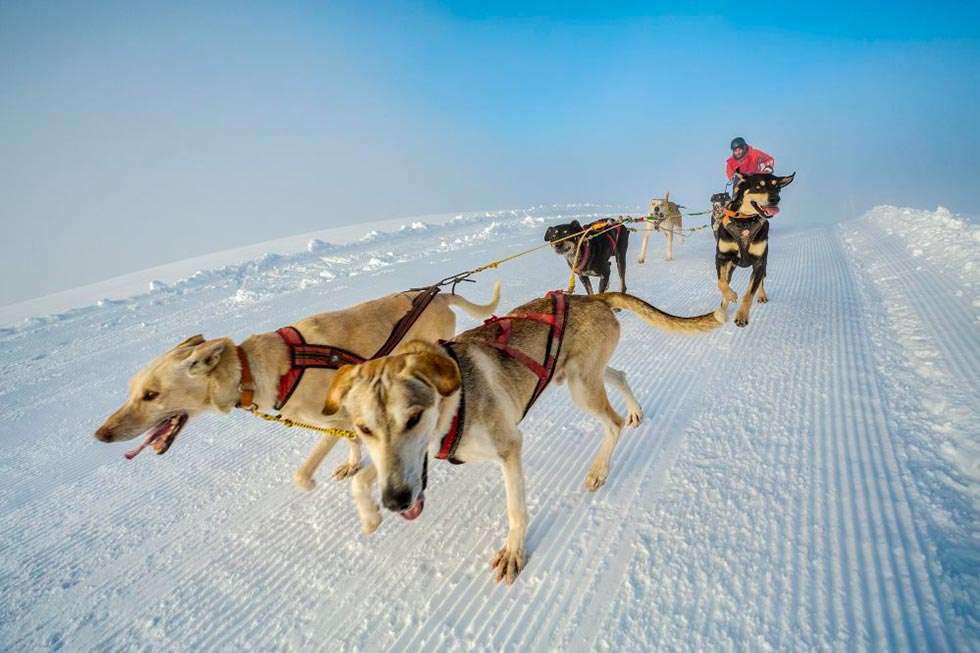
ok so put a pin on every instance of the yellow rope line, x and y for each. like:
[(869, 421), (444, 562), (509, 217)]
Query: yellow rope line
[(289, 423)]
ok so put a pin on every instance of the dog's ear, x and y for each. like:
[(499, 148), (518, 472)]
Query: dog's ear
[(667, 198), (202, 359), (338, 389), (437, 370), (785, 181), (193, 341), (576, 226)]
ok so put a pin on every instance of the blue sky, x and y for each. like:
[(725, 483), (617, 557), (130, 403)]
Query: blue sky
[(136, 133)]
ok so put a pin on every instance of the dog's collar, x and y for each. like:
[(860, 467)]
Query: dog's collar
[(246, 387), (728, 214)]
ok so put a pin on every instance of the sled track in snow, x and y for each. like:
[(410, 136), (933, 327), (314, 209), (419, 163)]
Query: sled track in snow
[(765, 500)]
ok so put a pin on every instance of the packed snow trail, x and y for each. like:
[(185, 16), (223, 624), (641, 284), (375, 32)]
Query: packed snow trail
[(809, 481)]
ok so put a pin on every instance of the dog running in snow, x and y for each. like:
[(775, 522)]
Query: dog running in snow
[(591, 259), (199, 375), (743, 238), (665, 216), (463, 400)]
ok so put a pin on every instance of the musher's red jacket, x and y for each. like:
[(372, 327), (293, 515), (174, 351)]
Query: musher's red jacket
[(753, 161)]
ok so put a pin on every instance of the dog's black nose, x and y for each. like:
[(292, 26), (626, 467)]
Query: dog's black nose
[(397, 500)]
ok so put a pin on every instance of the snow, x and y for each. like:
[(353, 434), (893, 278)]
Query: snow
[(808, 482)]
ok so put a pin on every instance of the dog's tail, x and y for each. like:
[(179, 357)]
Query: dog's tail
[(655, 317), (477, 311)]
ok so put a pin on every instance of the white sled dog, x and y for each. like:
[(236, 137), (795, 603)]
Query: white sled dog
[(666, 217), (201, 375)]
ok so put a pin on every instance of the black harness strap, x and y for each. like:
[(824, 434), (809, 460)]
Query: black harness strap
[(735, 227)]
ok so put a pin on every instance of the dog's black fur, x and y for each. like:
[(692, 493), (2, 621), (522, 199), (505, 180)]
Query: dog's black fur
[(744, 241), (594, 259)]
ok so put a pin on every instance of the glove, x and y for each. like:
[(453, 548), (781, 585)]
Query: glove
[(766, 169)]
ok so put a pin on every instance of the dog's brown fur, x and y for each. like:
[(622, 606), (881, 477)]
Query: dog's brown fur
[(403, 404), (201, 375), (670, 222)]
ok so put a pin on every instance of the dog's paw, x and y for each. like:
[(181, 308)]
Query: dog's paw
[(303, 481), (729, 296), (370, 522), (763, 298), (634, 417), (741, 318), (345, 471), (507, 564), (596, 477)]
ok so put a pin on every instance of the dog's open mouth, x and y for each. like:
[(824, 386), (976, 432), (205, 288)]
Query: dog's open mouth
[(162, 436), (767, 211), (416, 508)]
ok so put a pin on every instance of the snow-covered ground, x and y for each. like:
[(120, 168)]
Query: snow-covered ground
[(810, 481)]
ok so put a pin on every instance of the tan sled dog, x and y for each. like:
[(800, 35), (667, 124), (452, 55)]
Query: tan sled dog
[(405, 406), (201, 375), (667, 218)]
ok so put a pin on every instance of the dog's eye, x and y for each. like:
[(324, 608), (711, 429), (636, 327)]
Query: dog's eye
[(364, 430), (413, 421), (150, 395)]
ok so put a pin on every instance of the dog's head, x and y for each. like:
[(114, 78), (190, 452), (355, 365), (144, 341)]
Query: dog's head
[(759, 194), (559, 231), (720, 200), (169, 391), (395, 405), (662, 208)]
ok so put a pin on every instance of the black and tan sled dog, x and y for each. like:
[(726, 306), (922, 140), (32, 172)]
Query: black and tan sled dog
[(742, 238)]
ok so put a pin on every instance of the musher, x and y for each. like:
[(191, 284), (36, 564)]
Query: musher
[(747, 160)]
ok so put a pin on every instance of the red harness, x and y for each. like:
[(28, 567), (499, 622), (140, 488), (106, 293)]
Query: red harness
[(303, 356), (583, 258), (557, 320)]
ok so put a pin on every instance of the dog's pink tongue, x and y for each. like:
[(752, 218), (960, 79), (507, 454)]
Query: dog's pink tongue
[(162, 428), (415, 510), (135, 452), (771, 211)]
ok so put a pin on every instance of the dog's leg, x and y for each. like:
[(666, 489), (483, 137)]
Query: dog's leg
[(617, 379), (621, 265), (742, 315), (587, 282), (303, 476), (509, 560), (643, 246), (725, 268), (669, 234), (763, 297), (589, 393), (353, 463), (360, 489), (604, 281)]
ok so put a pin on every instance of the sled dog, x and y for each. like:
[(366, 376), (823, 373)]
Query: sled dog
[(591, 259), (666, 217), (463, 400), (200, 375), (743, 238)]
